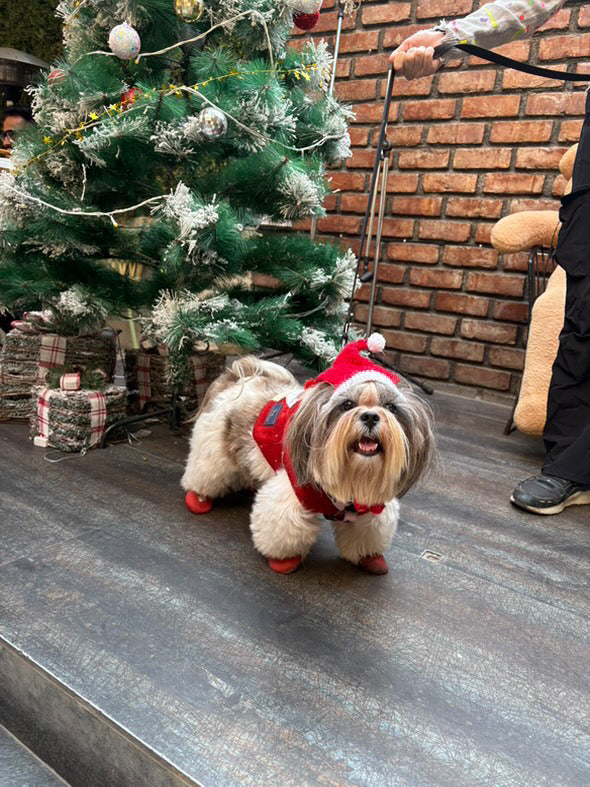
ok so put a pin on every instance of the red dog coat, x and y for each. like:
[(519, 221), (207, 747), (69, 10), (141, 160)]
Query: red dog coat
[(269, 432)]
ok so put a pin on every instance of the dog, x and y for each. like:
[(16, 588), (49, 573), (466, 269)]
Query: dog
[(345, 447)]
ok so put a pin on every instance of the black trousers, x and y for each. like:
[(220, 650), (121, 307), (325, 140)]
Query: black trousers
[(567, 429)]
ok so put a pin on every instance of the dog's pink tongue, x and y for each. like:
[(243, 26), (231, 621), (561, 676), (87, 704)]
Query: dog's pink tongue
[(368, 446)]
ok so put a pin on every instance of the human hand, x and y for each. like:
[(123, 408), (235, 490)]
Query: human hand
[(414, 56)]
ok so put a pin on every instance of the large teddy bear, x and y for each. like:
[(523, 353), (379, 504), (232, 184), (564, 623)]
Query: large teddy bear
[(525, 231)]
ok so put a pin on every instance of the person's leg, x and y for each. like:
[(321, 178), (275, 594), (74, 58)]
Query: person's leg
[(565, 478)]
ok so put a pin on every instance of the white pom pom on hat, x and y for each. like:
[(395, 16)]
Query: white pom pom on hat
[(350, 367)]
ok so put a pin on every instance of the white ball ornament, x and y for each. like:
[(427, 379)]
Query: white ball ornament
[(124, 41), (376, 343), (212, 123)]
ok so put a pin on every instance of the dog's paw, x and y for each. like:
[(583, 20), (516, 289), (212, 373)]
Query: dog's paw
[(285, 566), (197, 504), (374, 564)]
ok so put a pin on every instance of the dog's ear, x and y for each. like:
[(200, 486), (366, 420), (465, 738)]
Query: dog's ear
[(417, 421), (306, 428)]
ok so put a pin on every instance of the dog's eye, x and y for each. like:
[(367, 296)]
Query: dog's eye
[(347, 404), (391, 406)]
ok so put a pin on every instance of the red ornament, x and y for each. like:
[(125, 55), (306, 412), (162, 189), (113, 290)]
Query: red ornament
[(306, 21), (130, 96), (56, 75)]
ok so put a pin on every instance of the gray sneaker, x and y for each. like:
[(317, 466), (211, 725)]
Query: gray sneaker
[(548, 494)]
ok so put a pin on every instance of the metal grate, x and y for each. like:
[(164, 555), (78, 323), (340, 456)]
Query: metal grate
[(431, 556)]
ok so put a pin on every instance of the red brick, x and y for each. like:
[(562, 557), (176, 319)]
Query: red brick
[(402, 183), (409, 87), (436, 368), (495, 284), (340, 224), (517, 50), (490, 106), (423, 159), (434, 109), (450, 183), (475, 207), (456, 231), (456, 134), (482, 377), (539, 158), (347, 181), (329, 22), (417, 206), (558, 21), (395, 35), (483, 233), (470, 257), (398, 228), (489, 331), (510, 311), (390, 12), (510, 359), (516, 205), (569, 130), (413, 252), (371, 64), (343, 68), (359, 136), (437, 278), (455, 348), (564, 47), (547, 104), (406, 342), (435, 9), (382, 316), (466, 82), (486, 158), (461, 304), (515, 131), (508, 183), (372, 113), (392, 274), (361, 159), (353, 203), (430, 323), (516, 262), (584, 17), (405, 136), (518, 80), (416, 299), (359, 42), (357, 89)]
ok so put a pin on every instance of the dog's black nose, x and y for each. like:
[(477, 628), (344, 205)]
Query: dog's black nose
[(370, 419)]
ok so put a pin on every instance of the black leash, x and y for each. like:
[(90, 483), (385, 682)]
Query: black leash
[(508, 62)]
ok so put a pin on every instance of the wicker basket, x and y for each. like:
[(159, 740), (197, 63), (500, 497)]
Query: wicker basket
[(19, 366), (148, 374), (68, 418)]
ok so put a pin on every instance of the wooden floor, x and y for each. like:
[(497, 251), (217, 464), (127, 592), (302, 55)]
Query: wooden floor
[(473, 669)]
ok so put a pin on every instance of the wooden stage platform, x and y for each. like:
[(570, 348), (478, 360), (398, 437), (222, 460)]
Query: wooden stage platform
[(140, 645)]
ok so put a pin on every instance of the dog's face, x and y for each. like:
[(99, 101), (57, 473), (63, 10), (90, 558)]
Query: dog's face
[(366, 444)]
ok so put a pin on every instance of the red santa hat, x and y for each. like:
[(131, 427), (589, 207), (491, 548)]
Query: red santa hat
[(350, 367)]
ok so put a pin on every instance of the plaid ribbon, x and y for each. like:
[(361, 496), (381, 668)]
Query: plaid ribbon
[(70, 381), (144, 384), (52, 353), (98, 415), (200, 373)]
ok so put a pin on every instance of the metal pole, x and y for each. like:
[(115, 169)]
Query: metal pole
[(382, 200)]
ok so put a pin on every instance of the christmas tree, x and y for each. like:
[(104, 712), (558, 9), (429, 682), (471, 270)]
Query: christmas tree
[(171, 132)]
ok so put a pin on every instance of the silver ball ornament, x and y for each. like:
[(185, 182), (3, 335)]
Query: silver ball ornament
[(212, 123), (124, 41), (189, 10)]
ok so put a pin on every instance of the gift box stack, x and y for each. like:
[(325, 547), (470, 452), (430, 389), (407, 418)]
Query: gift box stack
[(28, 353), (72, 418), (147, 372)]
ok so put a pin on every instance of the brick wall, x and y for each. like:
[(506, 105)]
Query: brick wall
[(471, 144)]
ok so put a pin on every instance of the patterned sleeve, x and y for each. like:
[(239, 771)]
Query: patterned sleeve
[(499, 22)]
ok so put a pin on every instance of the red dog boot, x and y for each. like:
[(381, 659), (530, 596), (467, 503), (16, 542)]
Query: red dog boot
[(374, 564), (196, 504), (285, 565)]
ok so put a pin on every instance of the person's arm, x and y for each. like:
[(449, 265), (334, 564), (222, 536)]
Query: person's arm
[(490, 26)]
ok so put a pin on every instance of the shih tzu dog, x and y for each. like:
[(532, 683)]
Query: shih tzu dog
[(344, 447)]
